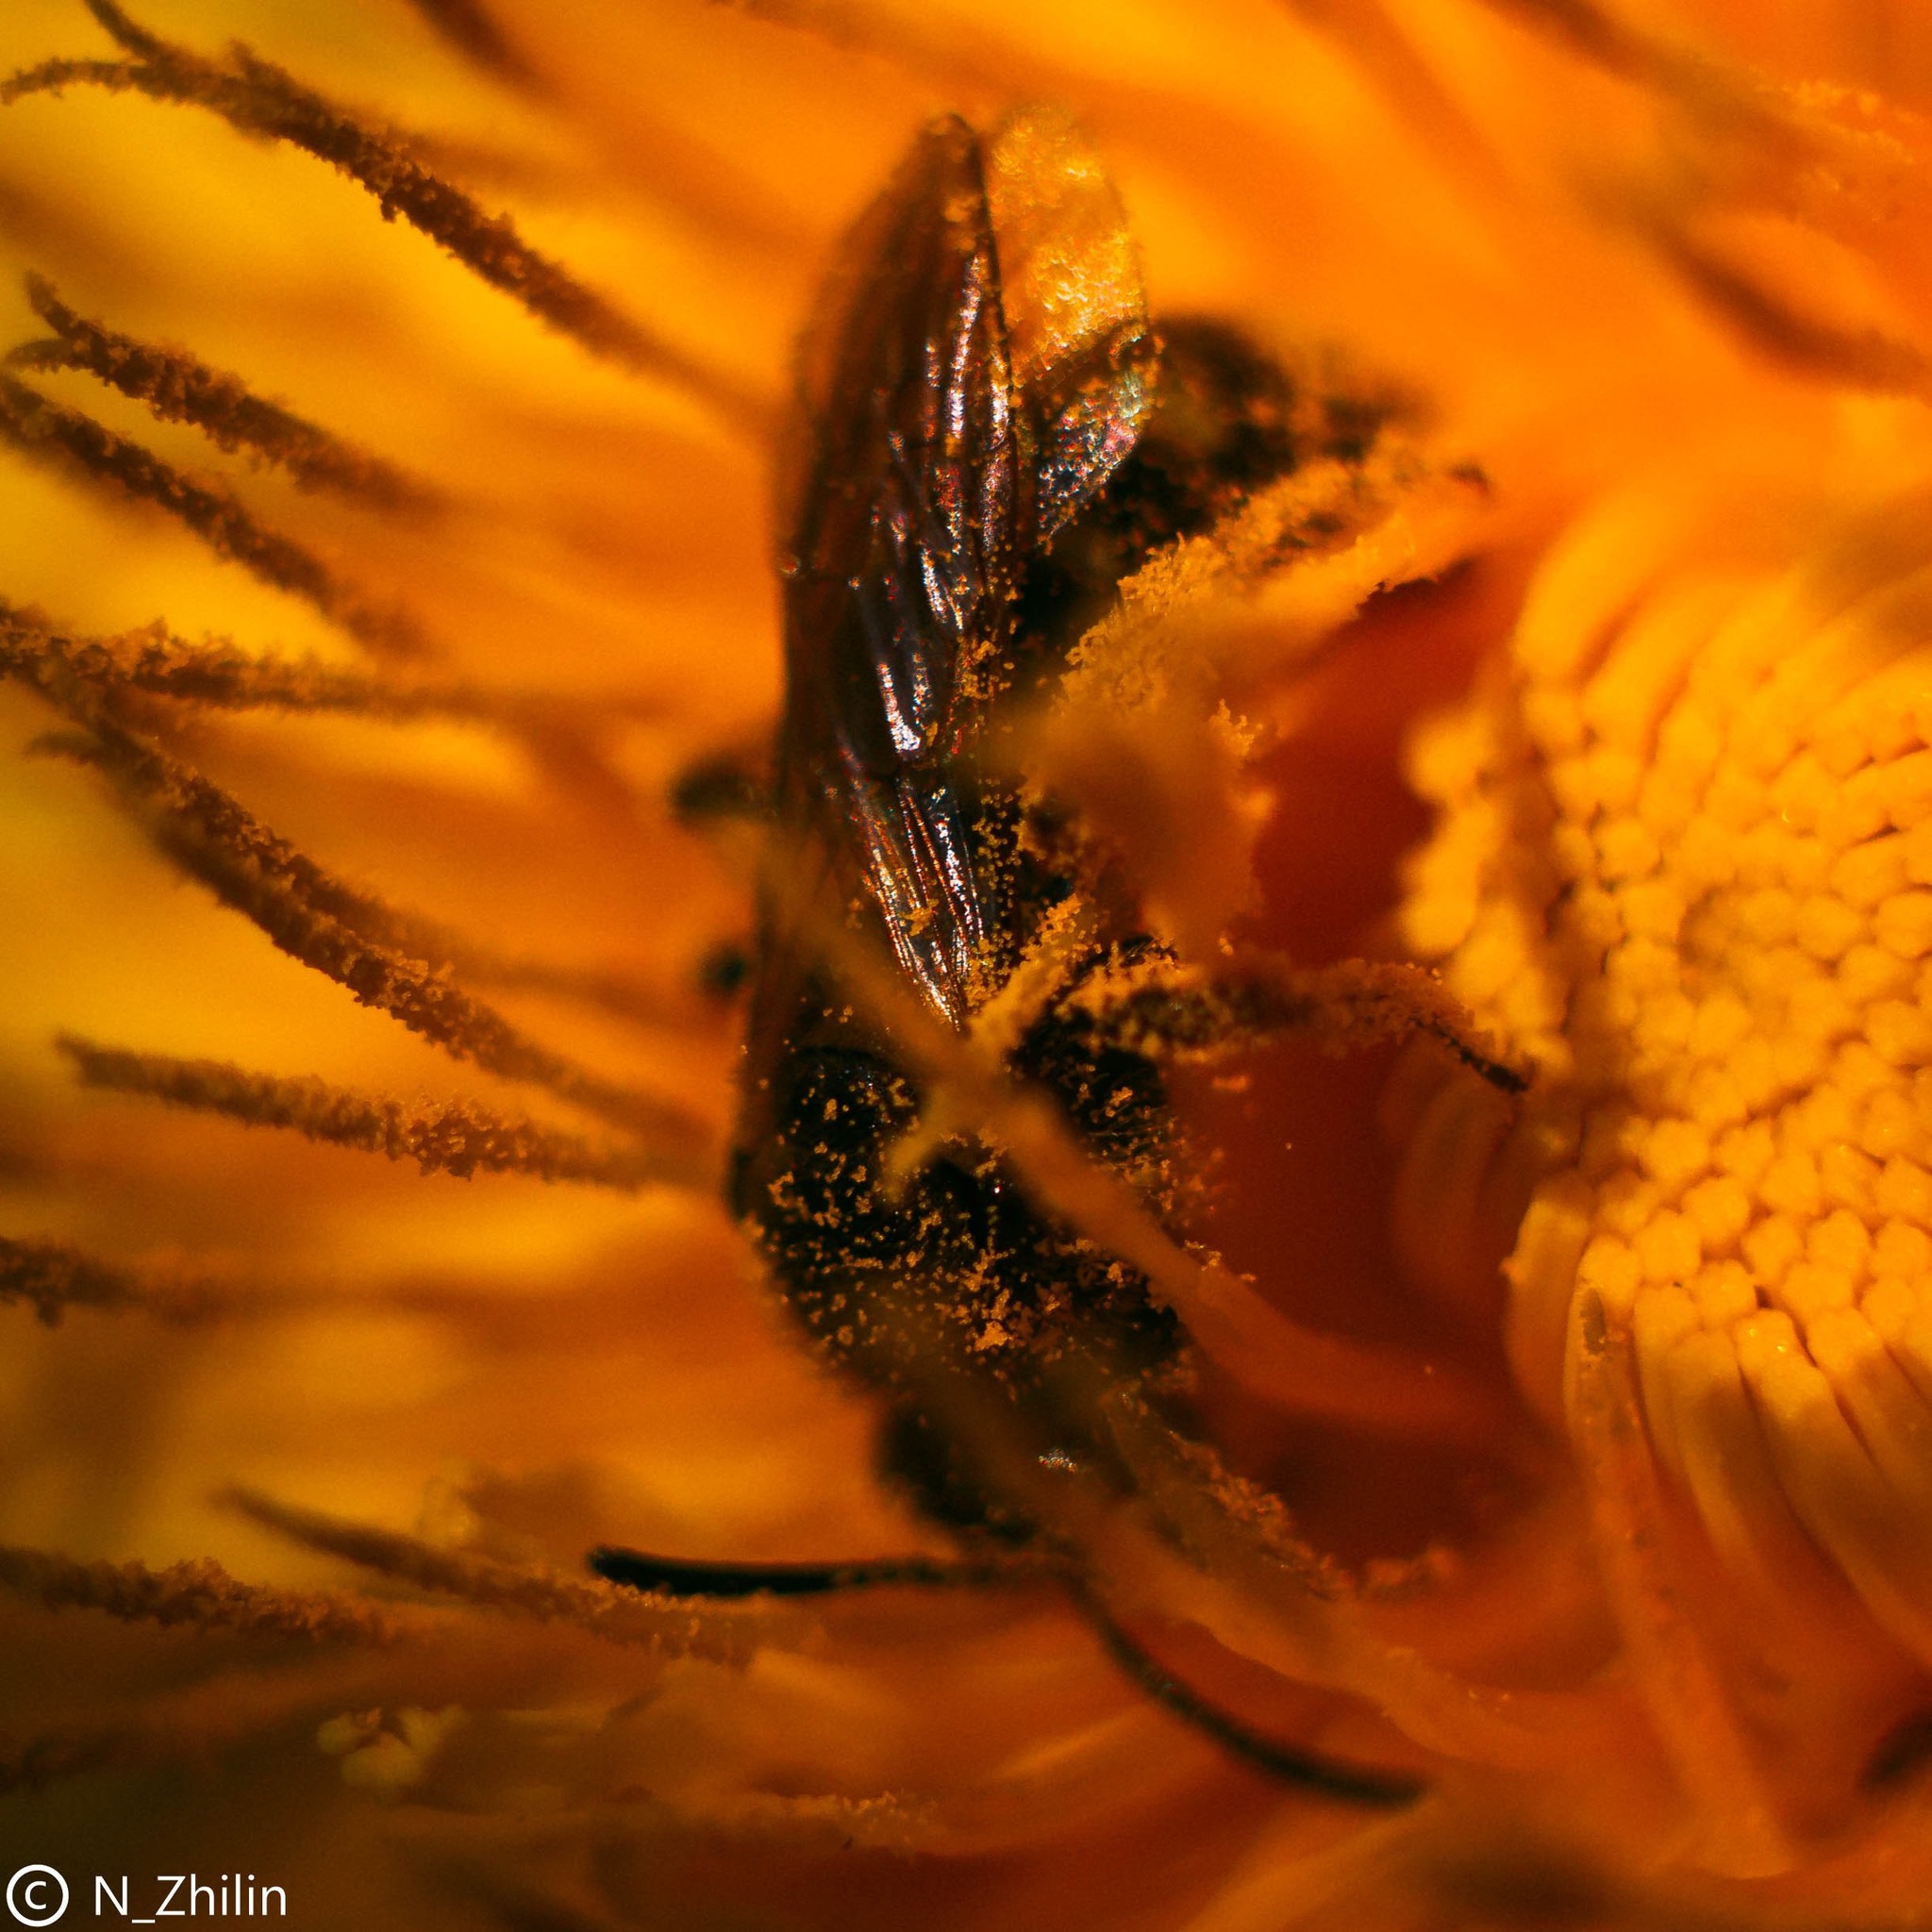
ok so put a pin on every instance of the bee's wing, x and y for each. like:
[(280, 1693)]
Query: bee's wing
[(968, 392), (1084, 357), (904, 552)]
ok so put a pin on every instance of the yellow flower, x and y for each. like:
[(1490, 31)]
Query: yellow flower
[(1571, 1450)]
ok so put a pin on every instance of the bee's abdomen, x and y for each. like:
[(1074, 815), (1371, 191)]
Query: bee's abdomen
[(955, 1264)]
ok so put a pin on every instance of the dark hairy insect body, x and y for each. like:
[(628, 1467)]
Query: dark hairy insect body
[(974, 497), (997, 440)]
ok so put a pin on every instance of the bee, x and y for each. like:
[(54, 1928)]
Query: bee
[(997, 437), (964, 423)]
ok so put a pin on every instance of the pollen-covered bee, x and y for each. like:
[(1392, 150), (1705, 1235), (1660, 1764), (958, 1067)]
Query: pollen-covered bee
[(986, 369), (997, 437)]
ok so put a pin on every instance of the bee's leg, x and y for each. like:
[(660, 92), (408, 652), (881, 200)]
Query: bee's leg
[(915, 1454), (1169, 1011), (681, 1576), (1352, 1784), (676, 1577), (717, 797), (720, 788)]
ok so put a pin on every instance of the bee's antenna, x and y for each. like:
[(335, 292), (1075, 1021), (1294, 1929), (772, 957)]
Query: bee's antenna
[(681, 1576), (685, 1576), (1348, 1783)]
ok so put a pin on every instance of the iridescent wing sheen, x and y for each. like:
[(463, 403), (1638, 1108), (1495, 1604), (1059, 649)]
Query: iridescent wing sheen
[(936, 470), (903, 555), (1084, 357)]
